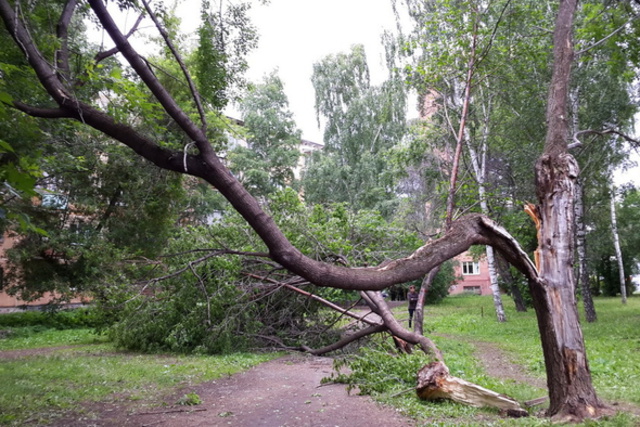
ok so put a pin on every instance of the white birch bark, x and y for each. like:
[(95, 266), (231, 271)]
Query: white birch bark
[(616, 244), (581, 249), (480, 170), (581, 233)]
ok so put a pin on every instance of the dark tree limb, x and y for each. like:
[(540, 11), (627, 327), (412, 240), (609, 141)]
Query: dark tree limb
[(45, 113), (101, 56), (603, 132), (348, 339), (62, 32), (314, 297), (380, 307)]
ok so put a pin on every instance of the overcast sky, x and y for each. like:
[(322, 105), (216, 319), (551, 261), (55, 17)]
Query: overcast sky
[(295, 34)]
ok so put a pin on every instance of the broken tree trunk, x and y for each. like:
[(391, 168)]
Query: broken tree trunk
[(435, 382), (571, 393)]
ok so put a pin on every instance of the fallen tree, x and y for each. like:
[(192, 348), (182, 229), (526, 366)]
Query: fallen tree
[(571, 392)]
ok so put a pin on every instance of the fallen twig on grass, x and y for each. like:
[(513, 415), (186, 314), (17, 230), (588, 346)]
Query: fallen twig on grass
[(172, 411)]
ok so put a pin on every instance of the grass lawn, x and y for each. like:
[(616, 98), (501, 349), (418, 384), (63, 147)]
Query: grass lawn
[(613, 348), (613, 342), (39, 388)]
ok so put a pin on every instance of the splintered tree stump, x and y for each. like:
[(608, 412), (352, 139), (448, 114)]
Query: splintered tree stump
[(434, 382)]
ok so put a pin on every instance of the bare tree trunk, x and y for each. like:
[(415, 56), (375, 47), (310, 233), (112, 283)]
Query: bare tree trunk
[(379, 306), (418, 315), (571, 392), (581, 246), (495, 289), (616, 244)]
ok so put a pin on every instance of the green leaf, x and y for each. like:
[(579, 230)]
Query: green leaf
[(5, 147), (6, 98)]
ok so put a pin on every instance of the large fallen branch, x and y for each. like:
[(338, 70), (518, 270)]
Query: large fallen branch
[(379, 306), (348, 339), (435, 382)]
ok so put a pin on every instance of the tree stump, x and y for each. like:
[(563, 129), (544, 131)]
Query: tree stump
[(435, 382)]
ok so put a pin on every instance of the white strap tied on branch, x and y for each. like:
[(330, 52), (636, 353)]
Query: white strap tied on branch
[(184, 159)]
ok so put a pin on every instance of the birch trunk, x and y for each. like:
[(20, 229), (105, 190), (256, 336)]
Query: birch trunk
[(480, 170), (581, 247), (616, 244), (581, 234)]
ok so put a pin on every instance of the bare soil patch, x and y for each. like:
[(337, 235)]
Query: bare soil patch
[(499, 365), (19, 354)]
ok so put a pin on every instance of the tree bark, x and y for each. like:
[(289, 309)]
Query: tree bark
[(418, 315), (379, 306), (435, 382), (616, 245), (571, 393), (581, 233), (516, 294), (581, 246)]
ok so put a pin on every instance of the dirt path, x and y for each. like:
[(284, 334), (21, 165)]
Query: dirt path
[(498, 365), (282, 392), (19, 354)]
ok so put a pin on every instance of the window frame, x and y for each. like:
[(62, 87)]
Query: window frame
[(470, 268)]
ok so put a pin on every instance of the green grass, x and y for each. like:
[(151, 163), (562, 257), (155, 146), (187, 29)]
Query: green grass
[(613, 342), (39, 337), (613, 348), (40, 388)]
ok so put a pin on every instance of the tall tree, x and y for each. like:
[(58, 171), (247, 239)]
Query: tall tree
[(568, 376), (267, 163), (479, 163), (362, 122)]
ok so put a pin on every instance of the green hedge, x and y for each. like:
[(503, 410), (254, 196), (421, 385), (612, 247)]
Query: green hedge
[(63, 319)]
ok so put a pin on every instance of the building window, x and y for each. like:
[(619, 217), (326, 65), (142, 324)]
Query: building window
[(470, 267), (472, 289), (54, 201)]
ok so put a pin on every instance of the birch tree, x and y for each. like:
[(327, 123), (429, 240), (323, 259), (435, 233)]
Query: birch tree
[(479, 163), (616, 245)]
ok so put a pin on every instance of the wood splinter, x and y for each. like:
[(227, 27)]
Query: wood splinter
[(435, 382)]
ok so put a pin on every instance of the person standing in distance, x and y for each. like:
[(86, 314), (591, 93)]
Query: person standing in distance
[(412, 296)]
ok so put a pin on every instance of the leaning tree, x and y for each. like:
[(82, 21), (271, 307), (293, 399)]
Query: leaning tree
[(551, 278)]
